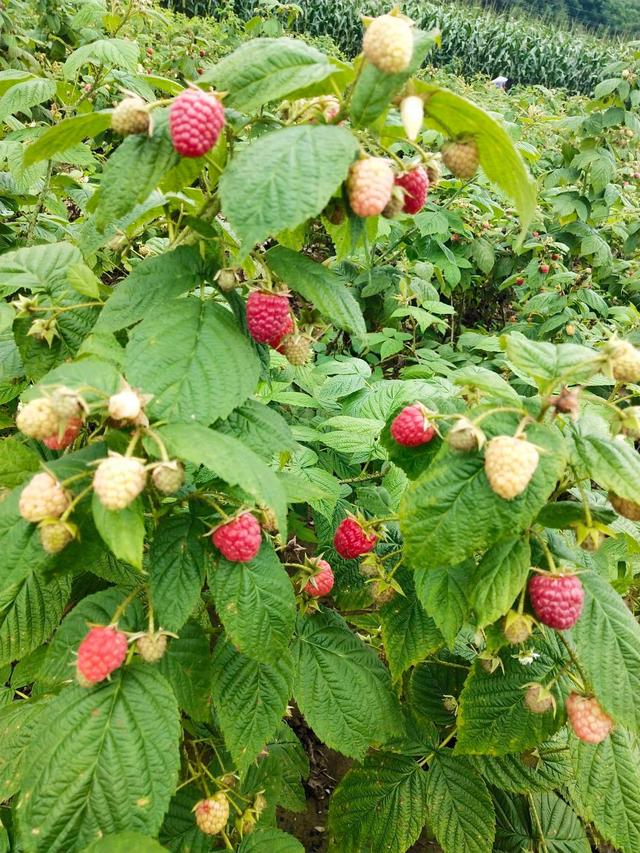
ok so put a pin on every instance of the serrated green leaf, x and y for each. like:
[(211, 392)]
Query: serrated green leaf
[(256, 604), (125, 842), (460, 809), (187, 667), (21, 97), (612, 464), (607, 631), (64, 135), (560, 828), (499, 578), (259, 427), (18, 721), (112, 53), (267, 69), (381, 805), (17, 462), (444, 594), (126, 729), (341, 687), (194, 359), (433, 684), (546, 768), (306, 164), (20, 550), (250, 698), (36, 268), (122, 530), (550, 364), (514, 832), (270, 840), (318, 285)]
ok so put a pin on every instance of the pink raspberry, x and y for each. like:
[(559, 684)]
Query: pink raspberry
[(195, 122), (321, 583), (411, 427), (59, 442), (557, 599), (212, 814), (238, 540), (351, 541), (588, 721), (268, 317), (416, 188), (370, 185), (101, 652)]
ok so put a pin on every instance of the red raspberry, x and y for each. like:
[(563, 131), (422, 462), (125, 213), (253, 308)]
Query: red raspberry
[(416, 188), (321, 583), (268, 317), (411, 427), (557, 600), (101, 652), (277, 342), (351, 541), (544, 268), (195, 122), (238, 540), (59, 442), (588, 721)]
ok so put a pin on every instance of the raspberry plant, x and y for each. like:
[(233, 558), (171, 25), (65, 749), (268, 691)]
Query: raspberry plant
[(255, 497)]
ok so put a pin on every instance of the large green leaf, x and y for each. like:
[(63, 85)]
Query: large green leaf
[(560, 828), (259, 427), (306, 164), (267, 69), (127, 729), (21, 97), (320, 286), (545, 769), (109, 53), (256, 604), (20, 550), (125, 842), (36, 268), (450, 512), (270, 840), (433, 685), (444, 594), (607, 631), (177, 564), (187, 667), (64, 135), (499, 578), (380, 805), (122, 530), (341, 686), (550, 365), (230, 460), (455, 116), (606, 788), (194, 359), (250, 698), (18, 721), (613, 464)]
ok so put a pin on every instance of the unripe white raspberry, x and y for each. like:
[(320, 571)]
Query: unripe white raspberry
[(461, 158), (412, 115), (212, 814), (43, 497), (55, 535), (509, 464), (625, 361), (119, 480), (388, 44), (131, 115), (38, 419), (151, 647), (126, 405), (168, 477)]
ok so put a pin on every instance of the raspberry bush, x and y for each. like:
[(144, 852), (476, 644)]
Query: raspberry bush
[(320, 418)]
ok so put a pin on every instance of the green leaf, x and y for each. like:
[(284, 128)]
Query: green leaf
[(230, 460), (125, 842), (122, 530), (455, 116), (17, 462), (444, 594), (341, 687), (483, 254), (492, 717), (259, 427), (514, 832), (18, 721), (381, 805), (461, 813), (319, 285), (250, 698), (450, 512), (433, 684), (20, 550), (612, 464), (156, 280), (256, 604), (499, 578), (127, 729), (177, 564), (192, 356), (21, 97), (561, 830), (111, 53), (60, 137), (270, 840), (408, 633), (306, 164), (267, 69), (133, 171), (606, 788), (545, 769), (607, 631), (187, 667), (36, 268), (550, 364)]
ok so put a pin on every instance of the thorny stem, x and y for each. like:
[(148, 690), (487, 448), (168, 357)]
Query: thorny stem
[(585, 503), (536, 819), (574, 659), (125, 603), (547, 551), (76, 501)]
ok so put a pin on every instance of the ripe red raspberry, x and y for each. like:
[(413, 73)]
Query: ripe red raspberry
[(130, 116), (321, 583), (238, 540), (38, 419), (59, 442), (212, 814), (588, 721), (411, 427), (416, 187), (461, 158), (543, 268), (268, 317), (369, 185), (351, 541), (509, 464), (557, 599), (118, 481), (195, 122), (42, 497), (151, 647), (388, 44), (101, 652), (277, 342)]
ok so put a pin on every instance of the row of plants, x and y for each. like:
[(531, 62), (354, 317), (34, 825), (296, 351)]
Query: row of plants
[(297, 408)]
